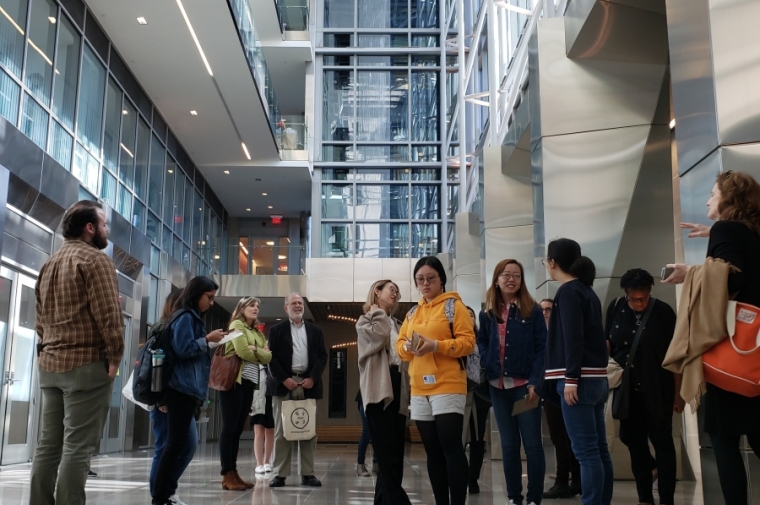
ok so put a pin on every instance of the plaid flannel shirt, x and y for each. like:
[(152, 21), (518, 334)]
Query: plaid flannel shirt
[(79, 319)]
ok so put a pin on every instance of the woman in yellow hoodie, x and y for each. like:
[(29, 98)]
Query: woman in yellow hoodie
[(435, 337)]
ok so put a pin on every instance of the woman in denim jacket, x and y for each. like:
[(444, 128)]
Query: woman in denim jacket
[(511, 342), (189, 382)]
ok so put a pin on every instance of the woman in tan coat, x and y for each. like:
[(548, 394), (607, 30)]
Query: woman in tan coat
[(383, 383)]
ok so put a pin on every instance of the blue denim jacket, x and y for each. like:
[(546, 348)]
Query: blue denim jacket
[(189, 356), (524, 354)]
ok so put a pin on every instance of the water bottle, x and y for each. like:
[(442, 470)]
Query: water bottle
[(156, 380)]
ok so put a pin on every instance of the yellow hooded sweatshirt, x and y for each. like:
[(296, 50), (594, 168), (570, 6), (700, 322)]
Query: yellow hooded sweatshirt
[(439, 372)]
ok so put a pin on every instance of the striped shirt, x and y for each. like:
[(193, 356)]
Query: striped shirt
[(79, 318)]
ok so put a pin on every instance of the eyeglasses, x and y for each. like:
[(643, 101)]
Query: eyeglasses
[(643, 299), (210, 297), (505, 275), (546, 309), (429, 279), (545, 261)]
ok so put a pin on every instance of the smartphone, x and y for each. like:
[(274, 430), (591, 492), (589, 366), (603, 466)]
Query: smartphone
[(666, 272)]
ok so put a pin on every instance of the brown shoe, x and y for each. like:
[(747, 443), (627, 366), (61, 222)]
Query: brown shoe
[(231, 481), (248, 485)]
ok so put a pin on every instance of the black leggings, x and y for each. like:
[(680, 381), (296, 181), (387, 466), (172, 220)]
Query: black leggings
[(181, 409), (235, 404), (446, 461), (731, 471)]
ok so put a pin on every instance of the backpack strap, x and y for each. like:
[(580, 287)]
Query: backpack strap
[(448, 308), (411, 312)]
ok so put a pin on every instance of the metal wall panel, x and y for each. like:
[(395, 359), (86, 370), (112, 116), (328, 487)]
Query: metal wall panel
[(588, 181), (58, 183), (539, 225), (507, 200), (22, 254), (650, 214), (330, 279), (365, 272), (139, 247), (692, 80), (742, 158), (119, 229), (696, 186), (20, 155), (586, 95), (616, 31), (735, 54), (23, 229)]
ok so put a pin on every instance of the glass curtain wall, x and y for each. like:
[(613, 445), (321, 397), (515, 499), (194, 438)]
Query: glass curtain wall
[(64, 85), (381, 163)]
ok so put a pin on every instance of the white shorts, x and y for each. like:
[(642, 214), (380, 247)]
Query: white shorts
[(425, 408)]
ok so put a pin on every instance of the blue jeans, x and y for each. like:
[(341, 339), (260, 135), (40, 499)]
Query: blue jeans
[(585, 427), (526, 426), (160, 433)]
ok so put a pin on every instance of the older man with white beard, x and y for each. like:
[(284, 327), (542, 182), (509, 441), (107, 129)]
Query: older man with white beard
[(298, 359)]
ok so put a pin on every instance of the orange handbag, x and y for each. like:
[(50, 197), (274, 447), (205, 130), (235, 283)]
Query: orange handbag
[(734, 363)]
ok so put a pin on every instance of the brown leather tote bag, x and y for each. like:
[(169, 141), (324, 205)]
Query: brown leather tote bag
[(224, 370)]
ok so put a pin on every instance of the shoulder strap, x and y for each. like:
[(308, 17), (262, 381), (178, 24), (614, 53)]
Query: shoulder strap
[(448, 308), (637, 338), (411, 312)]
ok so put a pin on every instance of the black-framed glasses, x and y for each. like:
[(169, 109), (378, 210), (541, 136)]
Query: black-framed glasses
[(210, 297)]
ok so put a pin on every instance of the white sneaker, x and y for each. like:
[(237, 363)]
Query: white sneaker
[(267, 468), (174, 499), (260, 469)]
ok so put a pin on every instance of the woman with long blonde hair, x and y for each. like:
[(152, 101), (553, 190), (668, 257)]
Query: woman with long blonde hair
[(251, 347), (384, 388)]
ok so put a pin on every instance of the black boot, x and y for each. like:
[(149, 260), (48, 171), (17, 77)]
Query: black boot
[(558, 490), (477, 453), (575, 487)]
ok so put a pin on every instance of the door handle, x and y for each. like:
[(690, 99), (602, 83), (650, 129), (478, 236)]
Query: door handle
[(10, 378)]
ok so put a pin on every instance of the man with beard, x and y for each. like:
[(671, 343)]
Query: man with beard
[(295, 372), (80, 345)]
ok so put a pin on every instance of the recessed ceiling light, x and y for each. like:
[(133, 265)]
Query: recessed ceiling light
[(248, 209), (279, 319), (124, 112), (245, 150), (227, 172), (269, 207), (263, 194), (193, 112), (142, 20), (170, 171), (672, 123), (282, 257), (270, 242), (216, 256), (51, 19)]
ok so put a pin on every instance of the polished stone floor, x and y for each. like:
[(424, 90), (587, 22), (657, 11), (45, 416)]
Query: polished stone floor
[(122, 480)]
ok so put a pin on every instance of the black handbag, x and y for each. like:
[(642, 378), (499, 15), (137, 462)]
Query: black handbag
[(621, 398)]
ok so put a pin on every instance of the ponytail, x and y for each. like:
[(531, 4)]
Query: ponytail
[(584, 269), (567, 254)]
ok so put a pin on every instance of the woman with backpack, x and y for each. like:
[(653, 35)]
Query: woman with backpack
[(511, 341), (186, 391), (434, 337)]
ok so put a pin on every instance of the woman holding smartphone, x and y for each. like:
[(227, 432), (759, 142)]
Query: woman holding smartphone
[(436, 333), (511, 341), (188, 385), (384, 389), (576, 365)]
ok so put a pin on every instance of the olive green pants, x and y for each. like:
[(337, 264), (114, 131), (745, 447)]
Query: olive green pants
[(74, 409)]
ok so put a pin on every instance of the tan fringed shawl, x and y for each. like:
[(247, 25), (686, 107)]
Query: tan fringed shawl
[(700, 325)]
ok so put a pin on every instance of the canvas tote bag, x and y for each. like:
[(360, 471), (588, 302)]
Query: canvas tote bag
[(734, 363), (299, 419)]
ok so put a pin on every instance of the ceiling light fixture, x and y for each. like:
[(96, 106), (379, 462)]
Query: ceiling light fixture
[(141, 20), (195, 37), (227, 172), (270, 242), (42, 53), (245, 150), (672, 123), (170, 171), (13, 21), (193, 112), (248, 209), (269, 207), (282, 257), (244, 249), (124, 112), (127, 150), (52, 19), (216, 257), (263, 194)]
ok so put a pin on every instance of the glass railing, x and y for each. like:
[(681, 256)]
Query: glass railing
[(242, 15), (256, 259), (293, 14), (292, 133)]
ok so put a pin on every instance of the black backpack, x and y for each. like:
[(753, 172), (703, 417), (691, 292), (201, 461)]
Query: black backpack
[(160, 338)]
